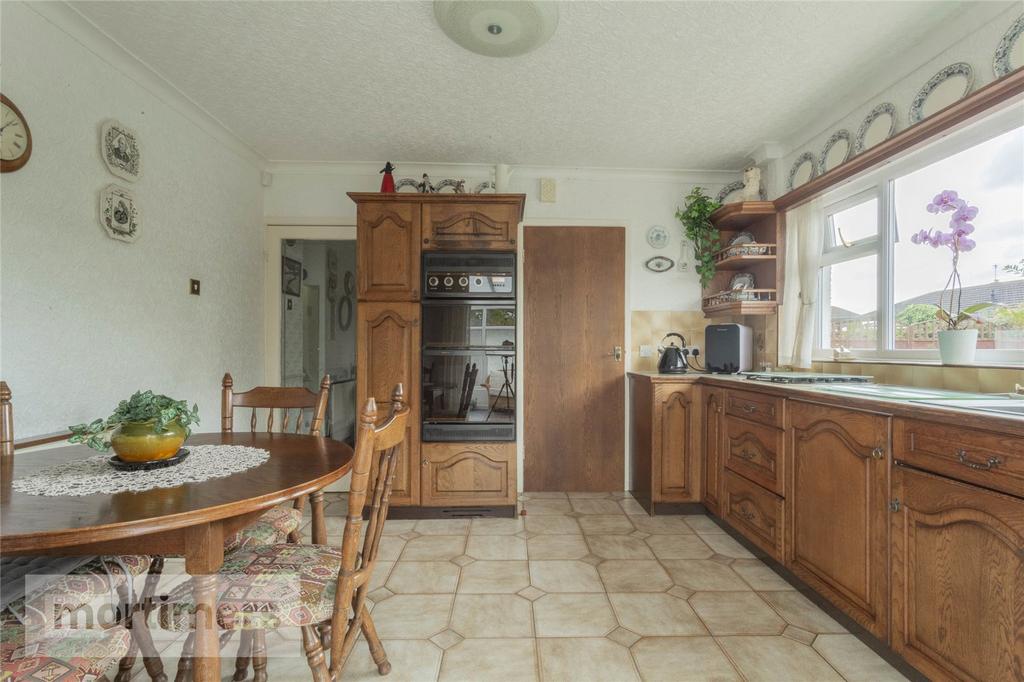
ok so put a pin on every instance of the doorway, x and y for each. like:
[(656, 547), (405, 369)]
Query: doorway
[(574, 365)]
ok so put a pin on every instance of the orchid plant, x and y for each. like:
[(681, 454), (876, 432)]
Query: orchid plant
[(958, 240)]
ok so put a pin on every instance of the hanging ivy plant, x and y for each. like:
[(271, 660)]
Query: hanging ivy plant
[(696, 219)]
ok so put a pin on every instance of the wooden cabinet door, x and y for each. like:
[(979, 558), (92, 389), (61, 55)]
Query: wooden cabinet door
[(388, 250), (837, 498), (468, 474), (713, 443), (756, 513), (388, 352), (674, 476), (958, 578), (470, 226)]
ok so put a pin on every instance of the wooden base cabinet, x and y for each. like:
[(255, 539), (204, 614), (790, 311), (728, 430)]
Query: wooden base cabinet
[(958, 578), (755, 512), (713, 445), (837, 502), (388, 352), (468, 474), (666, 434)]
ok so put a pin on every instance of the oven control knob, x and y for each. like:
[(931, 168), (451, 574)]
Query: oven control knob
[(448, 281), (463, 281), (432, 282)]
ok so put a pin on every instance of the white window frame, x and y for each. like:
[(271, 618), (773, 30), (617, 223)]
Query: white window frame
[(880, 184)]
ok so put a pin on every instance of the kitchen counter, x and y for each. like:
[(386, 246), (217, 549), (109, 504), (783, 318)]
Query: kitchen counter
[(821, 393)]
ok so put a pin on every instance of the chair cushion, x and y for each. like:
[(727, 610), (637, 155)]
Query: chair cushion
[(266, 588), (270, 529), (100, 577), (81, 655)]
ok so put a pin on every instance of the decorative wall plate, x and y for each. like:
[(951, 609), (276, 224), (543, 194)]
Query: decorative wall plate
[(804, 168), (873, 129), (1007, 57), (407, 182), (836, 150), (119, 147), (657, 237), (944, 88), (742, 238), (659, 264), (483, 186), (119, 214)]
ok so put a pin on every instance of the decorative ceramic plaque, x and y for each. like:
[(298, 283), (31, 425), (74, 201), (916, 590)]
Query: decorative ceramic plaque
[(119, 213), (119, 146)]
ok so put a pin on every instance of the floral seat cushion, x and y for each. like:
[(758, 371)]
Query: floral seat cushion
[(267, 587), (270, 529), (100, 577), (81, 655)]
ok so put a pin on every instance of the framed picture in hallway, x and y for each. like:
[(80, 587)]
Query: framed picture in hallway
[(291, 276)]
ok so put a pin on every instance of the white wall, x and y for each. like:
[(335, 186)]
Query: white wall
[(972, 37), (86, 320), (316, 192)]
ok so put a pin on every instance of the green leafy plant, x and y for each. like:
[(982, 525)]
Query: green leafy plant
[(696, 219), (143, 406)]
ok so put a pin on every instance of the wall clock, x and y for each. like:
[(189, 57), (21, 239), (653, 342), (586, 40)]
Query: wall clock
[(15, 137)]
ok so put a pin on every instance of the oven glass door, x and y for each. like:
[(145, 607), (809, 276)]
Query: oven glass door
[(468, 324), (469, 386)]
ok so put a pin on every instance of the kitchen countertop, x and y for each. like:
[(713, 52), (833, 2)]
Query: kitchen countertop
[(966, 418)]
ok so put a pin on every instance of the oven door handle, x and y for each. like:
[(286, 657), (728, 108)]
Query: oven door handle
[(471, 350)]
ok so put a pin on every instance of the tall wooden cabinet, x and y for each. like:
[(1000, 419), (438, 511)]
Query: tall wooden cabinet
[(837, 497), (388, 352), (393, 230)]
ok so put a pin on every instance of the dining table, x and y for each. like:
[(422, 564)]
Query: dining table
[(190, 520)]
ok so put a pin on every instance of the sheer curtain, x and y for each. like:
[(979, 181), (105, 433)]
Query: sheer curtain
[(805, 235)]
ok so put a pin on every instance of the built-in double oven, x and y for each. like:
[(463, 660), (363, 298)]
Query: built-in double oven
[(469, 347)]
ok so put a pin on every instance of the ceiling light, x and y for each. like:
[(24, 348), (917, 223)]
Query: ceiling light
[(497, 28)]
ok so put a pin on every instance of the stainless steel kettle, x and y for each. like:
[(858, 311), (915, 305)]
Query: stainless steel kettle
[(672, 359)]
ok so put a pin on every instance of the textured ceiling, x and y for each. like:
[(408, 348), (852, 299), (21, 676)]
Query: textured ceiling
[(622, 84)]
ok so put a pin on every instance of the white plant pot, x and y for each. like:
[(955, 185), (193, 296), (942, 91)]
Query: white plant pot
[(957, 346)]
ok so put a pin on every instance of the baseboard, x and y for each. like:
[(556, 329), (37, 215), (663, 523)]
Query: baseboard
[(399, 513), (679, 508)]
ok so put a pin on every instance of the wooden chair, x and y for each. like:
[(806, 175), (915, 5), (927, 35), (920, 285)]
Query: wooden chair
[(322, 616), (82, 586), (269, 528)]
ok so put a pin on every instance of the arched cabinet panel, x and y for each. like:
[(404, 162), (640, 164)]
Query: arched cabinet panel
[(387, 248), (468, 474)]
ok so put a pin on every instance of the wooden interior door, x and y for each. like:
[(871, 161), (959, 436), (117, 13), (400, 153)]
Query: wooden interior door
[(574, 382)]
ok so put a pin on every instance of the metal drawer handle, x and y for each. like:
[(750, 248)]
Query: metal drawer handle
[(745, 514), (746, 454), (992, 463), (749, 409)]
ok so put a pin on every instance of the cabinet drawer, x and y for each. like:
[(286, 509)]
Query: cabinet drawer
[(755, 452), (764, 409), (993, 460), (754, 512), (470, 226)]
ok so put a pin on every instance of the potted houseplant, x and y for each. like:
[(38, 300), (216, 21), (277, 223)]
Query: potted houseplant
[(702, 233), (957, 342), (145, 428)]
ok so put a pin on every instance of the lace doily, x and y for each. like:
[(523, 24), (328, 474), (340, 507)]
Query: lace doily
[(95, 475)]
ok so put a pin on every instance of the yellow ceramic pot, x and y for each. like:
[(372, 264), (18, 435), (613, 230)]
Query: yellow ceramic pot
[(141, 442)]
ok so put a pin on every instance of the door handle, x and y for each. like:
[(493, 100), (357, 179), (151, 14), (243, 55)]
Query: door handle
[(616, 353)]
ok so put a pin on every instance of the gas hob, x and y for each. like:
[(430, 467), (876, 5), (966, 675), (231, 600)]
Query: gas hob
[(807, 378)]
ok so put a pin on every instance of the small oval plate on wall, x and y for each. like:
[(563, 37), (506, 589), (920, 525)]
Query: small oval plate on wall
[(659, 264)]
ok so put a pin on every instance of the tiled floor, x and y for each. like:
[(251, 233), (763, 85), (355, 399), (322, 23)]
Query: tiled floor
[(584, 587)]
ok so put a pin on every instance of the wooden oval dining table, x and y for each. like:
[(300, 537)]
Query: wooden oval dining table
[(190, 520)]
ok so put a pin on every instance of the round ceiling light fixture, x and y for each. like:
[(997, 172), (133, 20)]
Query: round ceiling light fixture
[(497, 28)]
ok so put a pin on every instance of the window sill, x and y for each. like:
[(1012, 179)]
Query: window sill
[(921, 363)]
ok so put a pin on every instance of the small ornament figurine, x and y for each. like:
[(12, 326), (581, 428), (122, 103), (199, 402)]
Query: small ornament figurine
[(751, 184), (387, 183), (425, 187)]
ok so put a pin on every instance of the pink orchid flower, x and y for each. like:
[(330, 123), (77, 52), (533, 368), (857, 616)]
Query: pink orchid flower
[(945, 201)]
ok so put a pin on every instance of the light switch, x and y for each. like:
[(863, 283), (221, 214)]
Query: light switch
[(193, 287), (646, 351), (547, 190)]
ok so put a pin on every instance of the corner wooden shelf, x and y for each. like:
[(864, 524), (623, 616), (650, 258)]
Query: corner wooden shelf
[(759, 259)]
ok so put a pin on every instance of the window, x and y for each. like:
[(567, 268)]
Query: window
[(879, 288)]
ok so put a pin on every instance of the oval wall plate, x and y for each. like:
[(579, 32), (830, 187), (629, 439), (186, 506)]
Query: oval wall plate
[(805, 168), (659, 264), (872, 130), (836, 151), (1003, 62), (943, 90)]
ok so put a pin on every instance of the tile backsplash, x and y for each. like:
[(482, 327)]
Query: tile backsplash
[(971, 379), (648, 327)]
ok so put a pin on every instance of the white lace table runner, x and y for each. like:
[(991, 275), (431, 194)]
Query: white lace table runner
[(94, 475)]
